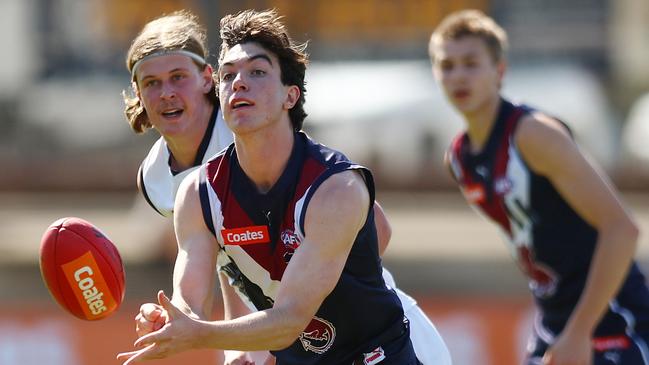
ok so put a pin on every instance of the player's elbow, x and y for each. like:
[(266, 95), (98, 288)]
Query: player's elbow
[(285, 338), (286, 335), (632, 233), (293, 325), (627, 233)]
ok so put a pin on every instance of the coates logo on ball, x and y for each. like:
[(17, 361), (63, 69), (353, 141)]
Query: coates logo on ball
[(82, 269), (89, 285)]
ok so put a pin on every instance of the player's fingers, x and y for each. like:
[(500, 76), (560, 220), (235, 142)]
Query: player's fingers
[(150, 339), (143, 326), (150, 311), (152, 351), (130, 357), (159, 323), (166, 304)]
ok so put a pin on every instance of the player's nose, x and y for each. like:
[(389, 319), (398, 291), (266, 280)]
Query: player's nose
[(167, 91), (239, 83)]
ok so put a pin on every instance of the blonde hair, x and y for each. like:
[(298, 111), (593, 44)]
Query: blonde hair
[(179, 31), (470, 23)]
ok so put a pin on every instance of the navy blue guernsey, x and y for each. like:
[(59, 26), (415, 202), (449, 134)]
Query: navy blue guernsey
[(258, 233), (552, 244)]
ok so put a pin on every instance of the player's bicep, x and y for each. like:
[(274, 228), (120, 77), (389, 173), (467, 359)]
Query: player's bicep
[(383, 228), (548, 148), (194, 271), (336, 213)]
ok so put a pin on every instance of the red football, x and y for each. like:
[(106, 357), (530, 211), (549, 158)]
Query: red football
[(82, 268)]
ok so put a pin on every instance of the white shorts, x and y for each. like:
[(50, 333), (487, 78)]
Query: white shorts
[(427, 342)]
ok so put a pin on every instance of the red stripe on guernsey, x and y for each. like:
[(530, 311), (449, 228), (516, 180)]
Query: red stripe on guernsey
[(474, 192), (235, 217), (219, 166), (245, 235), (456, 153), (601, 344), (495, 207)]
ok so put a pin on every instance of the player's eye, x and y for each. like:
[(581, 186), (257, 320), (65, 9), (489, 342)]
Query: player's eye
[(446, 66), (258, 72), (227, 76), (150, 83)]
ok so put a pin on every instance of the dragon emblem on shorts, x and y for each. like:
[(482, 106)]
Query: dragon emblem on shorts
[(318, 336)]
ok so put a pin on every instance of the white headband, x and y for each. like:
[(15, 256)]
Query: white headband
[(189, 54)]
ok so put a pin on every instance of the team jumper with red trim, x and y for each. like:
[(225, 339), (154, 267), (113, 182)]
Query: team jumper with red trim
[(552, 244), (258, 233)]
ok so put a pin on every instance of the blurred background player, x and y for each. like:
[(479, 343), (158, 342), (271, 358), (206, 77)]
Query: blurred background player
[(560, 215), (311, 276), (173, 92)]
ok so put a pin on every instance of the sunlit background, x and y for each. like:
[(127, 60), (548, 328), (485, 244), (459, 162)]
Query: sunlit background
[(66, 149)]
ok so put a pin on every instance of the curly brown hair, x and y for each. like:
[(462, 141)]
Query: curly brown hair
[(179, 30), (266, 29)]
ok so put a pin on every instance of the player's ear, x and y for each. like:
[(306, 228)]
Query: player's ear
[(208, 81), (501, 68), (292, 96)]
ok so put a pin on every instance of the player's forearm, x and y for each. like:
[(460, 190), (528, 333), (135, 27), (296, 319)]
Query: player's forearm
[(233, 306), (614, 252), (272, 329), (193, 286)]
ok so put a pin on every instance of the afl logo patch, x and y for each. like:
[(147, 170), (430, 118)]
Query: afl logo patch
[(503, 185), (291, 242), (318, 336)]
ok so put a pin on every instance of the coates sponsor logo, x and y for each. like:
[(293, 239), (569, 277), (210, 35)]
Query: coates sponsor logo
[(89, 286), (318, 336), (474, 193), (245, 235)]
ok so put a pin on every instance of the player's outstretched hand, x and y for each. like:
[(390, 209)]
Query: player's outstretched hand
[(175, 335)]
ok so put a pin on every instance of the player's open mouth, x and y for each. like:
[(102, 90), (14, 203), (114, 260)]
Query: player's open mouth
[(239, 103), (172, 113)]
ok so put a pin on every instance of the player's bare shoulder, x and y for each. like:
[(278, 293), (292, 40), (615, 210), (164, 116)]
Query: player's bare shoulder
[(343, 196), (190, 183), (543, 141)]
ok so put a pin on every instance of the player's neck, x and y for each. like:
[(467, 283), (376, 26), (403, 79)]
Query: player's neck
[(481, 121), (184, 146), (263, 155)]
